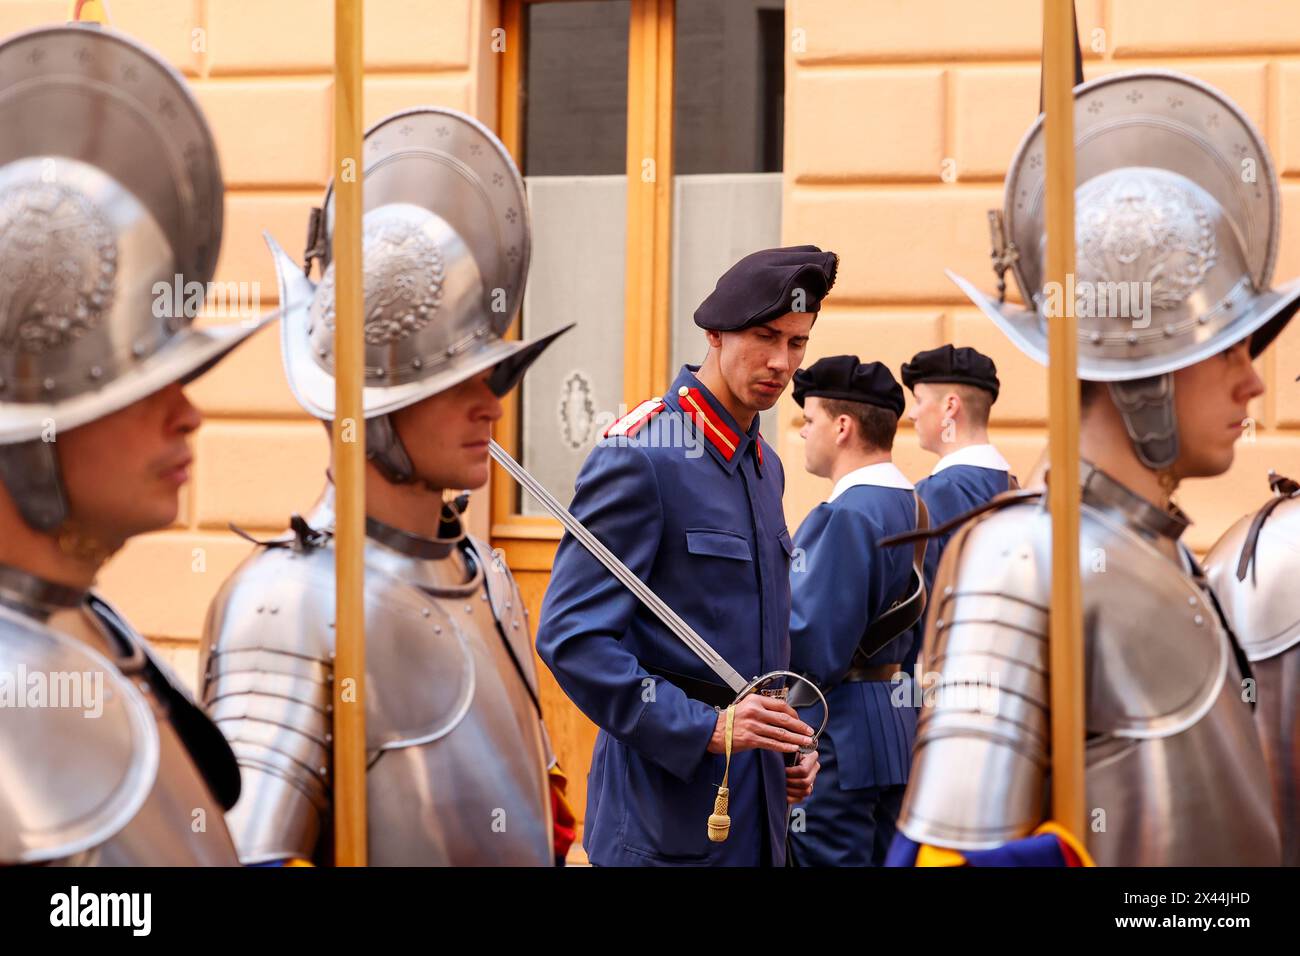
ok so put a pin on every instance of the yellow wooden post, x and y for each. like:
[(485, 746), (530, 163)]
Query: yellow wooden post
[(349, 439), (649, 198), (1066, 618)]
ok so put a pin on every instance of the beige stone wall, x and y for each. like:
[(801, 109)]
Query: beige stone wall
[(261, 70), (881, 94)]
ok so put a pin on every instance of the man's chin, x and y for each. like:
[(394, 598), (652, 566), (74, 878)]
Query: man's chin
[(156, 515), (1210, 465), (472, 476)]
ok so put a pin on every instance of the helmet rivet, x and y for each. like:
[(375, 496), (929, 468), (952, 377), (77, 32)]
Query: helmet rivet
[(138, 349), (1132, 338), (1095, 337), (48, 384), (96, 372), (1169, 331), (1199, 620), (417, 363), (323, 353), (1203, 318)]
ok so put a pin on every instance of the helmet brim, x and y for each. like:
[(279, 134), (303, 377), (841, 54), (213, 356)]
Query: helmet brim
[(187, 355), (313, 386), (1261, 322)]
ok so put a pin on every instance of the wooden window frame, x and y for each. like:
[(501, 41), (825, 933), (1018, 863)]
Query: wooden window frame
[(530, 540)]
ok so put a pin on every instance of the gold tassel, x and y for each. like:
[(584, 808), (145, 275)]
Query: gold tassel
[(719, 821)]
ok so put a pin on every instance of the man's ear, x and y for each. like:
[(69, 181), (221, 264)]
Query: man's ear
[(952, 406), (714, 338)]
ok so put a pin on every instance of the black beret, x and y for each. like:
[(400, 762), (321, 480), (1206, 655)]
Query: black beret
[(765, 285), (963, 366), (844, 378)]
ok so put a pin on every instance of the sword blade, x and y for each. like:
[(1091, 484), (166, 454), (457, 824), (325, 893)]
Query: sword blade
[(652, 602)]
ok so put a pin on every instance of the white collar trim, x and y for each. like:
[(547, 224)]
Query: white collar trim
[(981, 456), (883, 474)]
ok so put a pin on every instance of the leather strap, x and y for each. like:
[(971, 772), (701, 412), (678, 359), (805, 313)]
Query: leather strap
[(908, 609), (993, 504), (317, 241), (1238, 652), (860, 673), (1283, 488), (715, 695)]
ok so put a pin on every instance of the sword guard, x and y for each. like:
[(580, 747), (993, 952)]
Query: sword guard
[(762, 686)]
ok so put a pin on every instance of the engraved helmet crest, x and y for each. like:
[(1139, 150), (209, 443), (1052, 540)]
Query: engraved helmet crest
[(1176, 224), (58, 267), (445, 252)]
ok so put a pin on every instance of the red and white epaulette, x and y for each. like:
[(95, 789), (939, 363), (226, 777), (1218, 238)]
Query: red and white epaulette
[(629, 424)]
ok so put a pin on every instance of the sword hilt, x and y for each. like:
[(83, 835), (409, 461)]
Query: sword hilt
[(761, 685)]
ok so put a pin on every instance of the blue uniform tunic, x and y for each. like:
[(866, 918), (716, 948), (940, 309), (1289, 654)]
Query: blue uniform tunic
[(692, 504), (952, 490), (841, 582)]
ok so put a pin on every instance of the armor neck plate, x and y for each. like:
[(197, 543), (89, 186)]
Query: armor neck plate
[(1109, 496), (451, 532), (35, 596), (441, 566)]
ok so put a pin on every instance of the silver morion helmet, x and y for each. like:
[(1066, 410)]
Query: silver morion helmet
[(445, 257), (110, 189), (1176, 233)]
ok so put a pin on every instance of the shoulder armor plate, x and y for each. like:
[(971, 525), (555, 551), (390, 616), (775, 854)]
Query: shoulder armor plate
[(84, 777), (1264, 609)]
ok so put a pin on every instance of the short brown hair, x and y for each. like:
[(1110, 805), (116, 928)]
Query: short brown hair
[(976, 401), (876, 426)]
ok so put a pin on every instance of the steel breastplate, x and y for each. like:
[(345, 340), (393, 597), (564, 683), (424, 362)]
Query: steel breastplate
[(457, 769), (1174, 771), (477, 792)]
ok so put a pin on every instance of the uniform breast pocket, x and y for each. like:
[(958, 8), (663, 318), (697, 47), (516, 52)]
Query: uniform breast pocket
[(718, 544)]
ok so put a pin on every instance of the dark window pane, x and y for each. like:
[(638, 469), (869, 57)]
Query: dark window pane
[(575, 88), (729, 86), (575, 140)]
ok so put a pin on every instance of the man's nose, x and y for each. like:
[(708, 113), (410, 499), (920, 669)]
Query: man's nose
[(184, 416)]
